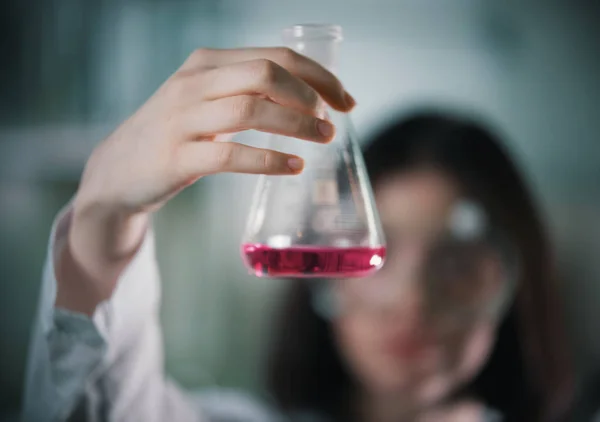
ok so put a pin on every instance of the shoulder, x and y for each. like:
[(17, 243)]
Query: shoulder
[(229, 405), (463, 411)]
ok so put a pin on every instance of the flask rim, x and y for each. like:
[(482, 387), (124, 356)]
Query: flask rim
[(313, 32)]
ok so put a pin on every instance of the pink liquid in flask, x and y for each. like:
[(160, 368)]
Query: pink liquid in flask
[(304, 261)]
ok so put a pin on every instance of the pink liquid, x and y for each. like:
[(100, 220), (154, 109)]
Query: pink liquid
[(301, 261)]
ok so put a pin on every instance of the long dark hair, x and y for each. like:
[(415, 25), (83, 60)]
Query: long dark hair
[(527, 376)]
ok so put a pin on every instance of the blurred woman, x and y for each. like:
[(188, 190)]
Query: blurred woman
[(437, 327), (454, 327)]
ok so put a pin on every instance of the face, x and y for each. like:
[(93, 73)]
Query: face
[(401, 332)]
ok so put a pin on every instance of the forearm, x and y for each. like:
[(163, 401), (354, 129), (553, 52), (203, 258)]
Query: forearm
[(99, 246)]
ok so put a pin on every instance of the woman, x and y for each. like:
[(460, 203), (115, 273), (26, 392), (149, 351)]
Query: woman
[(518, 366), (96, 352)]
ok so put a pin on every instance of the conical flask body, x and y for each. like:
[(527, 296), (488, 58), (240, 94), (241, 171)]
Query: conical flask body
[(322, 222)]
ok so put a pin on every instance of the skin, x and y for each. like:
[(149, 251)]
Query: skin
[(405, 359)]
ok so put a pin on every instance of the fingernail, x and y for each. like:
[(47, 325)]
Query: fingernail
[(295, 164), (349, 99), (325, 128)]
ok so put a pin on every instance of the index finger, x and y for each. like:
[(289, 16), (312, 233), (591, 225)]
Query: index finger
[(322, 80)]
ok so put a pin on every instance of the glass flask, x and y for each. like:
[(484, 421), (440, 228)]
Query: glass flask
[(322, 222)]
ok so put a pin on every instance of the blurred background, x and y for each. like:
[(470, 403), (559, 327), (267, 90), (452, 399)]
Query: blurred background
[(72, 70)]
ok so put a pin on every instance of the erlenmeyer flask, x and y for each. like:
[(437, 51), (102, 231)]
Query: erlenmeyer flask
[(322, 222)]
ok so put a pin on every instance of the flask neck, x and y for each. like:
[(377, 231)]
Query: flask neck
[(318, 42)]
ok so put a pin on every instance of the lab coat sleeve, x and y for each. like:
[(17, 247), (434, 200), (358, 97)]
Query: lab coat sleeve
[(110, 366)]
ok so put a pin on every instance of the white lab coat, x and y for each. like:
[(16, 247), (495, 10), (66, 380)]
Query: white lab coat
[(111, 367)]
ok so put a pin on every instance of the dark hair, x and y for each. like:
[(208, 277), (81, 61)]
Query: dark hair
[(528, 374)]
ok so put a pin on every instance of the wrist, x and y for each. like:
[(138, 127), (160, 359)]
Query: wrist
[(111, 232), (100, 243)]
